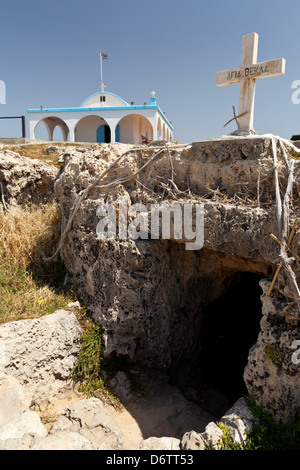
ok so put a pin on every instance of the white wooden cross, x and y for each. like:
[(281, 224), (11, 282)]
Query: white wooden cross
[(246, 75), (2, 92)]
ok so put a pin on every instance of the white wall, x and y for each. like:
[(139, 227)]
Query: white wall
[(86, 129), (126, 130), (112, 117), (110, 100), (133, 127)]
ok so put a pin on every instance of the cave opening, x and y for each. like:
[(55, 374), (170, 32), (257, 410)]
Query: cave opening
[(210, 371), (230, 328)]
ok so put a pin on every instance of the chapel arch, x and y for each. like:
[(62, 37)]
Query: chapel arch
[(168, 134), (92, 128), (50, 123), (133, 128), (58, 134), (42, 131)]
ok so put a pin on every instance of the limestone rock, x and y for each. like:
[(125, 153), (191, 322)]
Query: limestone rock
[(160, 443), (14, 398), (85, 425), (270, 369), (26, 180), (15, 417), (61, 424), (52, 149), (209, 439), (192, 441), (239, 421), (27, 422), (74, 306), (63, 440), (24, 443), (90, 419), (41, 353), (212, 435)]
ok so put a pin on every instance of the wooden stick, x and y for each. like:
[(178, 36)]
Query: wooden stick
[(280, 265), (274, 278), (288, 249), (258, 188), (235, 118), (292, 232)]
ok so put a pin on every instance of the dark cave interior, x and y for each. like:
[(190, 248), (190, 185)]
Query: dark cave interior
[(213, 375)]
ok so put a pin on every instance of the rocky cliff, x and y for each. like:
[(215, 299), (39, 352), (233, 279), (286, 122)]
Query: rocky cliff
[(204, 315)]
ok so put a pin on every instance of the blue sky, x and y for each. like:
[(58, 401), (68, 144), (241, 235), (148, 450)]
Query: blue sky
[(49, 55)]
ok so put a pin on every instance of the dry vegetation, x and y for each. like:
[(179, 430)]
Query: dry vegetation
[(40, 152), (29, 287)]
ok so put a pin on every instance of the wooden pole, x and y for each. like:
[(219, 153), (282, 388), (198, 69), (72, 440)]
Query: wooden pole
[(288, 249), (280, 265)]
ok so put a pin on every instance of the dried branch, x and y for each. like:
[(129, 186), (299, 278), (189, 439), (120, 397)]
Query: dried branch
[(258, 188), (3, 198), (95, 185), (283, 215)]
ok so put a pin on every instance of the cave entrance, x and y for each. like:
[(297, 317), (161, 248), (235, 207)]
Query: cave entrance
[(230, 328), (211, 372)]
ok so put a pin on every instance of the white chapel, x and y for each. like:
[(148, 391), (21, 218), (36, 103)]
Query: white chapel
[(105, 117)]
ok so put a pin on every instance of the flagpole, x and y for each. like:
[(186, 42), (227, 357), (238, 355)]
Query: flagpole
[(102, 87)]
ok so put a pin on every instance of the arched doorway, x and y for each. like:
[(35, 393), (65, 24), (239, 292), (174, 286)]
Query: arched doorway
[(58, 134), (89, 129), (103, 134), (133, 128), (117, 134), (48, 129), (42, 131)]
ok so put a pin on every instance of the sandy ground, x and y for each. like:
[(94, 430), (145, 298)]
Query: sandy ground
[(162, 413)]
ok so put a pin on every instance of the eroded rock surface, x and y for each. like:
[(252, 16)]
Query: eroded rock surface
[(41, 353), (148, 294), (16, 418), (271, 370), (24, 180)]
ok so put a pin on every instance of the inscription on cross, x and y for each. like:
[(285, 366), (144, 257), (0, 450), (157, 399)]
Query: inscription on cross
[(246, 75)]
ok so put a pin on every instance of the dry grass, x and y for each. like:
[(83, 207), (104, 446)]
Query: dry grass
[(39, 151), (29, 287)]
